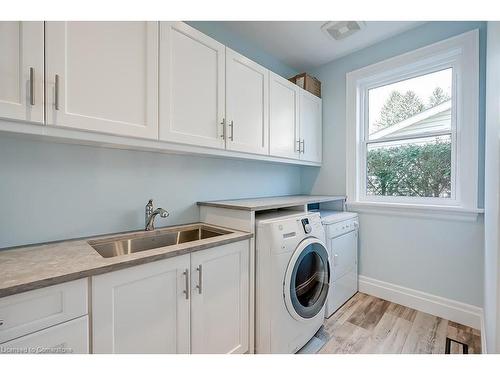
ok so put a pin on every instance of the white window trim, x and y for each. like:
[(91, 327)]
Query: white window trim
[(462, 54)]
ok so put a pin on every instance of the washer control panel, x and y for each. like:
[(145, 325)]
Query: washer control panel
[(306, 225)]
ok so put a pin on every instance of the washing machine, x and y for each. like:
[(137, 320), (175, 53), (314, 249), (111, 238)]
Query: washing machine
[(341, 230), (292, 280)]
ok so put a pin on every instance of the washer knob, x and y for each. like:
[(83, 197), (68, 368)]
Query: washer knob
[(307, 228)]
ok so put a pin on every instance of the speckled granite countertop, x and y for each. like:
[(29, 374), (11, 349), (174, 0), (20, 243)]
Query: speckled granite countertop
[(32, 267), (269, 203)]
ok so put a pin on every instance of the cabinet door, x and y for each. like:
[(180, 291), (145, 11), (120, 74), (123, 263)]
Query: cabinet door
[(220, 299), (142, 309), (283, 117), (247, 104), (66, 338), (192, 87), (310, 127), (103, 76), (21, 70)]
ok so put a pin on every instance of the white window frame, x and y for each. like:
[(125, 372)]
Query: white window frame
[(461, 53)]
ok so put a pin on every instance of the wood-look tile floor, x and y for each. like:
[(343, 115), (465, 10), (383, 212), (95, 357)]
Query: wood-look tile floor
[(367, 324)]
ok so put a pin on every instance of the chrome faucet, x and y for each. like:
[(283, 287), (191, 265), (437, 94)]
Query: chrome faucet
[(151, 215)]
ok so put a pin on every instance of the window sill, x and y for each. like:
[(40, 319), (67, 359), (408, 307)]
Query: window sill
[(416, 210)]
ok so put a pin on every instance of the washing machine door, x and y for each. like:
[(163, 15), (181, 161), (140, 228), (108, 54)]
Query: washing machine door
[(307, 280)]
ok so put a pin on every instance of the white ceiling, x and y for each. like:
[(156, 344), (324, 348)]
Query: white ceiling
[(302, 45)]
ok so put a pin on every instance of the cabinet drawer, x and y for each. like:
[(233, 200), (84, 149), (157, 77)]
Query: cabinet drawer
[(69, 337), (32, 311)]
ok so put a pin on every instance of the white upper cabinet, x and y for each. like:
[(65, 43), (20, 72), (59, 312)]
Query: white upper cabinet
[(294, 121), (283, 117), (161, 81), (21, 70), (192, 86), (220, 299), (103, 76), (247, 104), (310, 127), (142, 309)]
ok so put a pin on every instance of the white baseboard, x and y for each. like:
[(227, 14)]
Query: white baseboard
[(459, 312)]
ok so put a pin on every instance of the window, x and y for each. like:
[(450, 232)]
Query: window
[(408, 143), (412, 128)]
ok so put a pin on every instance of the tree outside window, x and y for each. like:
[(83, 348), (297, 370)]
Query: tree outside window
[(409, 144)]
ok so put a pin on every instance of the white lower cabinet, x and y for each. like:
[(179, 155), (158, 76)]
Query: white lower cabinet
[(220, 299), (142, 309), (46, 320), (174, 305), (67, 338)]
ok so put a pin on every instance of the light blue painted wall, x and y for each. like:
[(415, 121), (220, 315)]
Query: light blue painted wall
[(441, 257), (217, 31), (52, 191)]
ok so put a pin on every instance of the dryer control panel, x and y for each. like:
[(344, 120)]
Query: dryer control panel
[(342, 227)]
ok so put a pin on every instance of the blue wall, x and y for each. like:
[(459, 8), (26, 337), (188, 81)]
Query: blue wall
[(217, 31), (52, 191)]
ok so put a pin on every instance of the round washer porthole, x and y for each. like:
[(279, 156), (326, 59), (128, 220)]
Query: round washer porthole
[(307, 280)]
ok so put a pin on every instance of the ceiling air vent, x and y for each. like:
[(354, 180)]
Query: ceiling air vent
[(339, 30)]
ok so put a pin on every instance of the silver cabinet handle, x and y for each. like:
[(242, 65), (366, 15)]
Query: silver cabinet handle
[(186, 292), (231, 125), (32, 86), (298, 146), (223, 123), (200, 279), (56, 93), (303, 146)]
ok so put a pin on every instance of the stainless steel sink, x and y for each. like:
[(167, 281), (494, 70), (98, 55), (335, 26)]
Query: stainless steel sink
[(152, 240)]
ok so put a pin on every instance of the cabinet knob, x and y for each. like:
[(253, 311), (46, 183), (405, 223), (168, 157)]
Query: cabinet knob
[(1, 322)]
